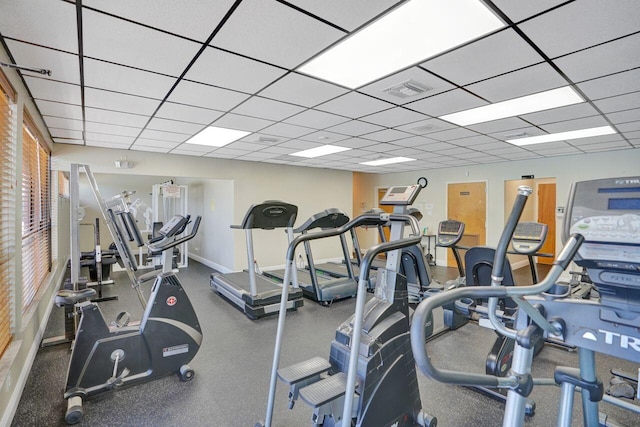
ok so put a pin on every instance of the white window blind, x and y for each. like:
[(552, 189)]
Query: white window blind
[(36, 212), (7, 209)]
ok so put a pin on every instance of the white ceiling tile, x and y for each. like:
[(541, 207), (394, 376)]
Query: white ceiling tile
[(386, 135), (492, 147), (154, 143), (286, 130), (496, 54), (112, 129), (559, 151), (106, 144), (619, 103), (517, 10), (214, 155), (324, 137), (188, 113), (63, 66), (414, 141), (278, 150), (505, 150), (405, 152), (523, 82), (65, 133), (164, 136), (355, 143), (632, 135), (59, 109), (629, 127), (316, 119), (451, 134), (348, 15), (152, 149), (115, 118), (103, 75), (119, 102), (605, 146), (393, 117), (355, 128), (42, 22), (204, 96), (616, 84), (264, 140), (437, 146), (382, 147), (246, 123), (499, 125), (68, 141), (146, 48), (114, 139), (427, 80), (265, 27), (259, 155), (569, 112), (595, 140), (624, 116), (475, 141), (302, 90), (245, 146), (219, 68), (230, 151), (196, 21), (522, 155), (612, 57), (576, 124), (174, 126), (267, 109), (445, 103), (56, 122), (296, 144), (581, 24), (635, 142), (53, 91), (425, 127), (459, 151), (354, 105), (196, 148)]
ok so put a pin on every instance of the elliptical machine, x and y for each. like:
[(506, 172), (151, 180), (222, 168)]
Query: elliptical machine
[(371, 348), (165, 340)]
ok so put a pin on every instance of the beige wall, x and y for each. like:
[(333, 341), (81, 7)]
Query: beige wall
[(311, 189), (566, 170)]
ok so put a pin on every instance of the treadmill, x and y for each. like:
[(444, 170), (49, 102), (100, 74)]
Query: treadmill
[(256, 295), (323, 289)]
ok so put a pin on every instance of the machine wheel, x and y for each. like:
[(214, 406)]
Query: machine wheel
[(74, 410), (186, 373)]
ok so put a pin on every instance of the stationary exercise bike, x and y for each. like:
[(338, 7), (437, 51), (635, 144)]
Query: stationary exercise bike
[(165, 340)]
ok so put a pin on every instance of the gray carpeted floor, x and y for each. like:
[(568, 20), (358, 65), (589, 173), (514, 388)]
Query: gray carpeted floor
[(232, 370)]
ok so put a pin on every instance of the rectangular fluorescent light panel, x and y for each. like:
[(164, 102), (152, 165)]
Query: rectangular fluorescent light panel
[(515, 107), (323, 150), (388, 161), (216, 137), (563, 136), (412, 33)]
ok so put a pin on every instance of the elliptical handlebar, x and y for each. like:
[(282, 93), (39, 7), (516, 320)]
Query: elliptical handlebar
[(493, 292)]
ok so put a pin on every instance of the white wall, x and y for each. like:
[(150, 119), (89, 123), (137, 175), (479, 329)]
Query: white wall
[(213, 200), (311, 189), (566, 170)]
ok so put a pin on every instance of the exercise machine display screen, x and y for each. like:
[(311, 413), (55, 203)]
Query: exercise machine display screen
[(401, 195), (450, 232), (529, 237), (604, 211)]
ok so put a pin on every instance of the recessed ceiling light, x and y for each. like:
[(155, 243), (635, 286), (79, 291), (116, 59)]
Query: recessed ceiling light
[(412, 33), (563, 136), (388, 161), (216, 137), (323, 150), (515, 107)]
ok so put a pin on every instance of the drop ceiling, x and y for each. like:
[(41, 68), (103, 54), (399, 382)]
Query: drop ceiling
[(146, 75)]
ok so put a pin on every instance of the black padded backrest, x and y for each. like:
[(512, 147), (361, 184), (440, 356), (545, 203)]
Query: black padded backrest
[(270, 214), (478, 264), (325, 220), (413, 266)]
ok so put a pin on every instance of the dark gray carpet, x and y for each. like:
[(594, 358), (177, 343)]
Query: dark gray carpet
[(232, 370)]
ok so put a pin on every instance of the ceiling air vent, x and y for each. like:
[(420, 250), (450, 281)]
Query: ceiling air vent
[(425, 128), (267, 140), (407, 89)]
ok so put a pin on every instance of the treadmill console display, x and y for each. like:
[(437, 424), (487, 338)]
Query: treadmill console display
[(529, 237), (174, 224), (450, 232), (401, 196), (607, 213)]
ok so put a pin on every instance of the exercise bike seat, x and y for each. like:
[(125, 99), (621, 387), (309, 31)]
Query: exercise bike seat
[(70, 297)]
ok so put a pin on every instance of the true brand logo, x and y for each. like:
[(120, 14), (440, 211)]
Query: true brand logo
[(613, 338), (627, 181)]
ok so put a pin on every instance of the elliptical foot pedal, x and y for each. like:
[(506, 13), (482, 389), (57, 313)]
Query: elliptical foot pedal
[(323, 392), (304, 370)]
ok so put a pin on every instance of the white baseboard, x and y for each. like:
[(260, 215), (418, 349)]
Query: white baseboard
[(209, 263)]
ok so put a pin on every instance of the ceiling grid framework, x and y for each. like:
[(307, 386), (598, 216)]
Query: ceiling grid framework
[(148, 75)]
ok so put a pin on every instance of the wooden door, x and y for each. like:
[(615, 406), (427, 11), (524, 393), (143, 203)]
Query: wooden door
[(547, 215), (467, 202), (386, 208)]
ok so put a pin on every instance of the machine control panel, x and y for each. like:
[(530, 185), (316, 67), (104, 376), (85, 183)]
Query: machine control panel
[(529, 237), (173, 225), (401, 195), (450, 232)]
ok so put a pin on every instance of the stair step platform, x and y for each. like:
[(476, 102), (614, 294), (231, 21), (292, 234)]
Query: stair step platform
[(304, 370), (322, 392)]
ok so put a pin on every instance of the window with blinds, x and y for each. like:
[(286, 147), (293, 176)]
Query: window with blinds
[(7, 209), (36, 212)]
